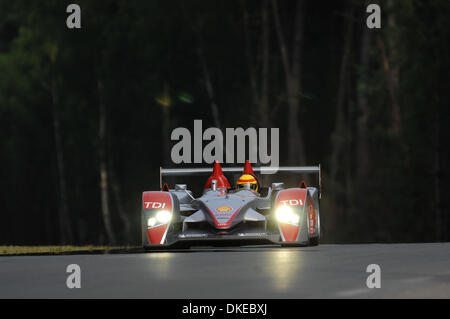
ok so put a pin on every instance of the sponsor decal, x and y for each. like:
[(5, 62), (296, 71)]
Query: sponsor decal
[(154, 205), (157, 200), (218, 220), (223, 209), (292, 202), (292, 197), (312, 219)]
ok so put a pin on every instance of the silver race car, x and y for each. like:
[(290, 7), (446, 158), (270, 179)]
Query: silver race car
[(246, 215)]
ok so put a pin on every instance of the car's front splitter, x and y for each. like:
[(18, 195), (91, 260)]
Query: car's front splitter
[(222, 241)]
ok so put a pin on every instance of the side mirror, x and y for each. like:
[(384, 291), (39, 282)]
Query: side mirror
[(180, 187), (277, 186)]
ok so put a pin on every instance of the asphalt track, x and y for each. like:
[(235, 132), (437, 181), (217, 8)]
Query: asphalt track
[(326, 271)]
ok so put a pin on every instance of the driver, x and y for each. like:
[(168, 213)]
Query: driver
[(247, 181)]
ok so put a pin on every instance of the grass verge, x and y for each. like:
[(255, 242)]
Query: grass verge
[(30, 250)]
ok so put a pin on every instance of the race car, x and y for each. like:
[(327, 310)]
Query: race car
[(246, 214)]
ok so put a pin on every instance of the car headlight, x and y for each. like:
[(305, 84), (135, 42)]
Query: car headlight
[(164, 216), (151, 222), (286, 215)]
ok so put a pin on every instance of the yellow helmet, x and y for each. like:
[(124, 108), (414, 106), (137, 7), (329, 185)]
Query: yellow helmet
[(247, 181)]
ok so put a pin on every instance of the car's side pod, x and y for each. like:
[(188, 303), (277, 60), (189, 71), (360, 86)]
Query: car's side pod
[(159, 210)]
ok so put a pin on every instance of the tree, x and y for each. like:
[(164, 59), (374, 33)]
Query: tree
[(292, 72)]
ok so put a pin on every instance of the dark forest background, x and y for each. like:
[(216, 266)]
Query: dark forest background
[(86, 114)]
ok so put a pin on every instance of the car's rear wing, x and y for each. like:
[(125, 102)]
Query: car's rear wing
[(263, 170)]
